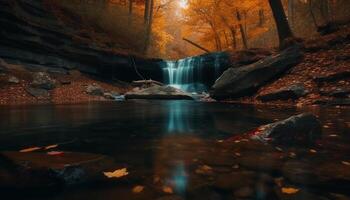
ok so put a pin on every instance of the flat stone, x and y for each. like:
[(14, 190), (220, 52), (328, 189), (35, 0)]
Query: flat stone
[(37, 92), (333, 77), (159, 92), (13, 79), (291, 92)]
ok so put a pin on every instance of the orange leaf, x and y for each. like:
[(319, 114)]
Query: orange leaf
[(29, 149)]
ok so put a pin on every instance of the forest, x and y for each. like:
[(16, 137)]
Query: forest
[(175, 99)]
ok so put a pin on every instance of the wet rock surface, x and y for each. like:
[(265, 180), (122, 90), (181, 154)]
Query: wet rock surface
[(42, 80), (245, 80), (291, 92), (299, 129), (95, 90), (158, 92), (37, 92)]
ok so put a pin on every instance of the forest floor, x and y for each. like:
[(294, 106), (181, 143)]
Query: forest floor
[(324, 72)]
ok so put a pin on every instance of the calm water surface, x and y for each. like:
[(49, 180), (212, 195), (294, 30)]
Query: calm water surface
[(169, 142)]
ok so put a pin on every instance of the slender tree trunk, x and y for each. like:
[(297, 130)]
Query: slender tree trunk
[(234, 39), (291, 12), (312, 14), (147, 11), (130, 13), (244, 39), (261, 17), (226, 39), (283, 28), (149, 26)]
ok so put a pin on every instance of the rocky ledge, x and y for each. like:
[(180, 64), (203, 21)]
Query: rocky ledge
[(158, 92)]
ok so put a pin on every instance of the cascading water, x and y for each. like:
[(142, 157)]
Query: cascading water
[(194, 74)]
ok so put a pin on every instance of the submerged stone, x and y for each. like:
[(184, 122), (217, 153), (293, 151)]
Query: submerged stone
[(64, 169)]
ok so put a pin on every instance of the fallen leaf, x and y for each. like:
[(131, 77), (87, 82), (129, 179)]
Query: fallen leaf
[(313, 151), (333, 135), (345, 163), (51, 146), (117, 173), (279, 149), (289, 190), (220, 141), (138, 189), (167, 189), (55, 153), (29, 149), (237, 154)]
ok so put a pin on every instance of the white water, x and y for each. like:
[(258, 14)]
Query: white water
[(185, 74)]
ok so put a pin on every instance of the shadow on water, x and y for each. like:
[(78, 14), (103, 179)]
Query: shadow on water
[(164, 143)]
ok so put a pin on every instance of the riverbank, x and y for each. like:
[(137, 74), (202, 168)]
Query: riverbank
[(71, 88), (322, 77)]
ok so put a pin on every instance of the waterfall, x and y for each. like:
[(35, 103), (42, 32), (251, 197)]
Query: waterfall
[(194, 74)]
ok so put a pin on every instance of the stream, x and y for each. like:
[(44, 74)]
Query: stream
[(180, 144)]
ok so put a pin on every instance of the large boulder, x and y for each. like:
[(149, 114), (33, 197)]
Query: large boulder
[(158, 92), (291, 92), (37, 92), (245, 80), (43, 80), (299, 129)]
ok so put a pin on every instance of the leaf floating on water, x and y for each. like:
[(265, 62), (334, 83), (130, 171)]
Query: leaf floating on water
[(55, 153), (289, 190), (51, 146), (345, 163), (167, 189), (313, 151), (29, 149), (220, 141), (117, 173), (333, 135), (279, 149), (138, 189)]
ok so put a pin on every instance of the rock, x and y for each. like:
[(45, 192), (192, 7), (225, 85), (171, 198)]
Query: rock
[(326, 173), (291, 92), (298, 129), (94, 89), (111, 95), (244, 192), (146, 83), (158, 92), (249, 56), (13, 79), (340, 93), (263, 162), (43, 80), (332, 77), (234, 180), (70, 168), (333, 102), (37, 92), (170, 197), (245, 80)]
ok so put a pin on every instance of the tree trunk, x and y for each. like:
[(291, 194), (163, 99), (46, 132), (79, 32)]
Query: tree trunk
[(130, 13), (147, 11), (312, 14), (234, 39), (149, 26), (279, 15), (244, 38), (291, 11)]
